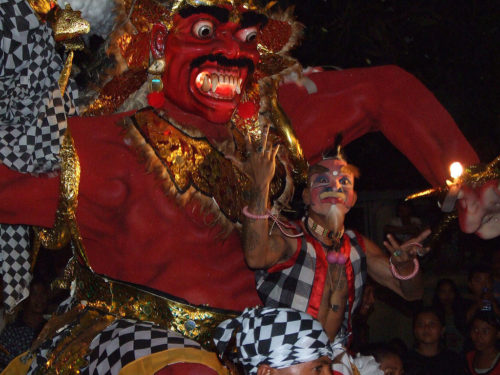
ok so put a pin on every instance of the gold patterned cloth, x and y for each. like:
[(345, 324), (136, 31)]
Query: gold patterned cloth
[(189, 165), (124, 300)]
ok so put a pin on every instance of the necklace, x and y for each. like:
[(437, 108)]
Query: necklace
[(319, 233)]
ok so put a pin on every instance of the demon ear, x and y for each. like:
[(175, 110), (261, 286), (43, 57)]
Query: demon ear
[(158, 40)]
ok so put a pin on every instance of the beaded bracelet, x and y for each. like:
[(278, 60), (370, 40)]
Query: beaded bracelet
[(282, 226), (253, 216), (407, 277)]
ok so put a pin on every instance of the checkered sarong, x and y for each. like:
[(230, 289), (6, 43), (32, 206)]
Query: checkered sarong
[(33, 117), (126, 340), (292, 286)]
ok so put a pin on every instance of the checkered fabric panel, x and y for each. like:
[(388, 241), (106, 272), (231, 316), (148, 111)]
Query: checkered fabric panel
[(33, 116), (15, 258), (279, 337), (32, 111), (126, 340), (292, 286)]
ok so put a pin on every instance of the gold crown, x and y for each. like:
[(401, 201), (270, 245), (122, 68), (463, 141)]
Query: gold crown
[(143, 13)]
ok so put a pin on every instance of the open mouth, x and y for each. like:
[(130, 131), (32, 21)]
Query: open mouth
[(222, 84)]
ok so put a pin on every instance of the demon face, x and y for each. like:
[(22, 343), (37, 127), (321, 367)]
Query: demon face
[(210, 55)]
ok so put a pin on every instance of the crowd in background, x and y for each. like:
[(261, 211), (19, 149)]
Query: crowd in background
[(454, 331)]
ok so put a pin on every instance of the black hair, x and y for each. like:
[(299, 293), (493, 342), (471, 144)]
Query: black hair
[(457, 301), (478, 268), (380, 351), (457, 304), (432, 310), (487, 316)]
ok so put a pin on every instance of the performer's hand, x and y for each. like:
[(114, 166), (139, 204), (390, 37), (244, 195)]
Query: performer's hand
[(406, 252), (260, 162)]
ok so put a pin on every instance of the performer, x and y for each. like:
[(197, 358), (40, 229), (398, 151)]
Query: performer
[(168, 223), (270, 340), (323, 271)]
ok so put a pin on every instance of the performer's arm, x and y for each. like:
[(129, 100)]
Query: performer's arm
[(261, 248), (379, 267)]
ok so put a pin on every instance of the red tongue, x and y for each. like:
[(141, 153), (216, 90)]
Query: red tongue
[(224, 90)]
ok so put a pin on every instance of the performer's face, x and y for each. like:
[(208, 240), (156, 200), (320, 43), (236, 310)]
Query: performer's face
[(479, 209), (331, 183), (209, 60)]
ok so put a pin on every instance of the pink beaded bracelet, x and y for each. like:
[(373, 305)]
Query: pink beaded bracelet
[(252, 216), (282, 226), (407, 277)]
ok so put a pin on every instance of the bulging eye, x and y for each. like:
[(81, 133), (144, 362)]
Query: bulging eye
[(247, 35), (203, 29)]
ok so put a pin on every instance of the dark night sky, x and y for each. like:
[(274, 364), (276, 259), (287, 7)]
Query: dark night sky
[(452, 46)]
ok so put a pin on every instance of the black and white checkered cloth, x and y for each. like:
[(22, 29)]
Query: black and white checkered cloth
[(278, 337), (15, 258), (126, 340), (291, 285), (32, 111), (33, 116)]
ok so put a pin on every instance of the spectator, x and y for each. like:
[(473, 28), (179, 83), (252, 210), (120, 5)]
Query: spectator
[(495, 272), (447, 298), (404, 225), (428, 357), (480, 283), (388, 358), (485, 358), (17, 337)]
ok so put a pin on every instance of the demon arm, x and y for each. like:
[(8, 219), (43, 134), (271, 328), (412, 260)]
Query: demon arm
[(386, 99), (27, 199)]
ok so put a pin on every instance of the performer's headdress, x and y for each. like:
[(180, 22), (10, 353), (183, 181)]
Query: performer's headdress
[(337, 152), (278, 337)]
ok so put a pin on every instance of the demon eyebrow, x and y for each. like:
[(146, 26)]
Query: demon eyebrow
[(251, 19), (221, 14)]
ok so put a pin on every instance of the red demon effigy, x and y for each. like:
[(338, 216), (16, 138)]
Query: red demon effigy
[(140, 184)]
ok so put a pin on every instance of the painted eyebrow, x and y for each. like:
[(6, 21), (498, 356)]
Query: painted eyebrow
[(317, 169), (221, 14)]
